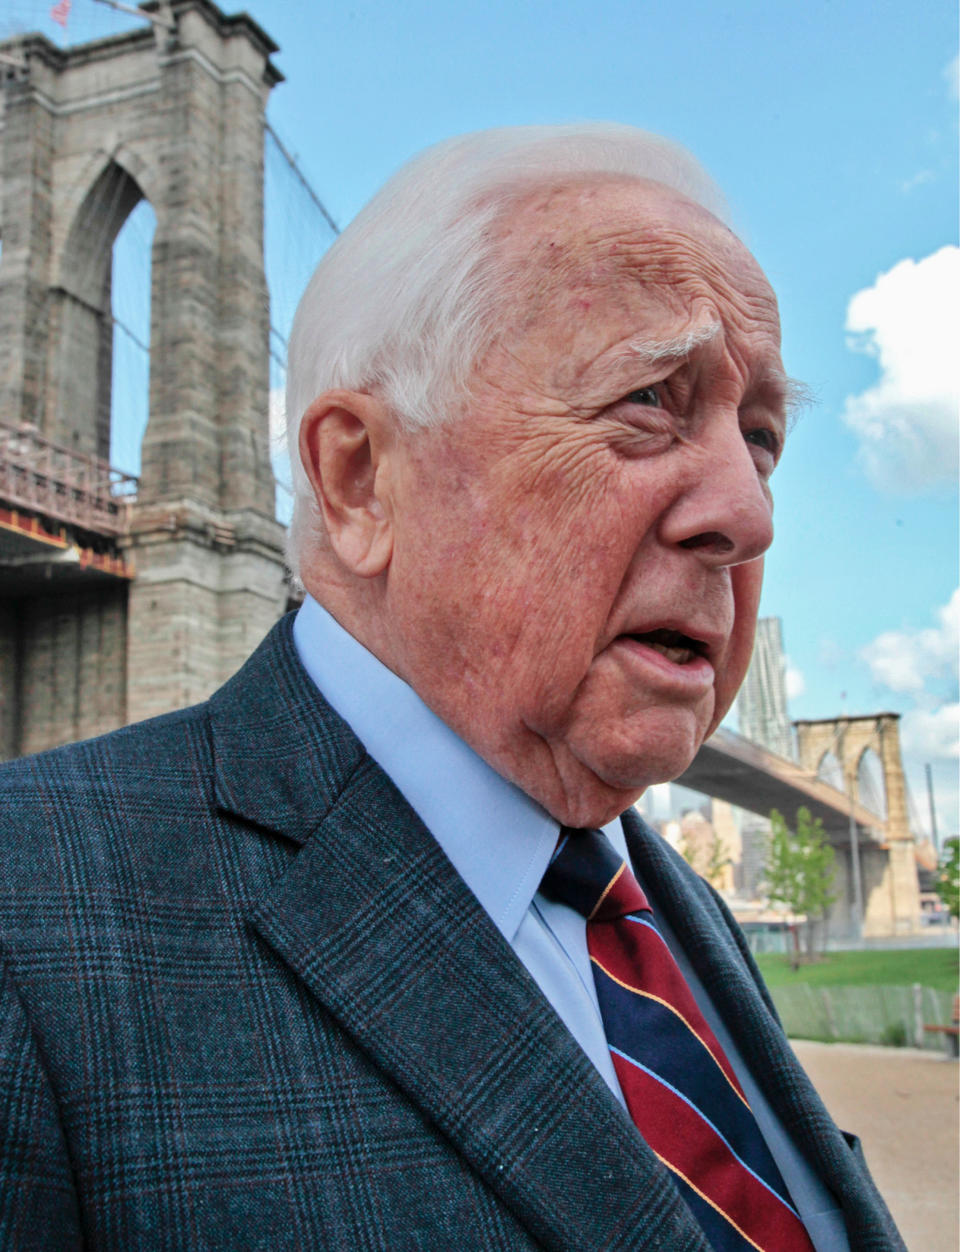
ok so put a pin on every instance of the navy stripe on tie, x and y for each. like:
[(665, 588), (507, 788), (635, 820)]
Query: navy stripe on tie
[(652, 1036), (711, 1125), (721, 1236)]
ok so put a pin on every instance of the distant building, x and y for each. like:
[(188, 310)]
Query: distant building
[(754, 841), (762, 702), (763, 718)]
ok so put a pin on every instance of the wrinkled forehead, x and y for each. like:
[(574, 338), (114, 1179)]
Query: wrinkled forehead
[(596, 230)]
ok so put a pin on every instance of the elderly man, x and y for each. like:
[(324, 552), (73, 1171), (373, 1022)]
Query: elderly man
[(360, 954)]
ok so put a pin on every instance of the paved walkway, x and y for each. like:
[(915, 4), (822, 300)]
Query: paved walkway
[(903, 1103)]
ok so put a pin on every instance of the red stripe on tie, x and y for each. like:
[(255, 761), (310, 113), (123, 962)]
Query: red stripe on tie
[(688, 1145), (620, 948), (659, 979)]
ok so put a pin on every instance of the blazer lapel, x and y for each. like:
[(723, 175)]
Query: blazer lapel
[(374, 919), (377, 923)]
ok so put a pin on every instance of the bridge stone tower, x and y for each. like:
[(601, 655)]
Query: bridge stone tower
[(839, 750), (173, 112)]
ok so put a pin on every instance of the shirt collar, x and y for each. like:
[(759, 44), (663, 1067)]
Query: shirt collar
[(499, 839)]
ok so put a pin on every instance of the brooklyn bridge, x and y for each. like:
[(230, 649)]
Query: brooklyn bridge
[(127, 594)]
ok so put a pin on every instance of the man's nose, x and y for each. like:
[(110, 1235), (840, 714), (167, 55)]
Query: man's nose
[(724, 510)]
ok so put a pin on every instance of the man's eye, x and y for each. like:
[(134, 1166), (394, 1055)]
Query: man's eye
[(644, 395), (763, 437)]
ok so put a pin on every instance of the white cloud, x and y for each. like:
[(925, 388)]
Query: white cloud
[(894, 662), (796, 685), (916, 180), (931, 734), (905, 660), (922, 665), (909, 320)]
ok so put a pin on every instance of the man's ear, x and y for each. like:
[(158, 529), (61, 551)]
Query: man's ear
[(344, 436)]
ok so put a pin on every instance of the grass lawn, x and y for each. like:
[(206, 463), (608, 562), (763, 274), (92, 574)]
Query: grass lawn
[(931, 967)]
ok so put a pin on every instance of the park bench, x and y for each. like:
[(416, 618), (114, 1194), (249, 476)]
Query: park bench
[(951, 1034)]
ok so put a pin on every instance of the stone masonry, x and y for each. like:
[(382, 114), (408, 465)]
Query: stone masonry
[(173, 113), (889, 873)]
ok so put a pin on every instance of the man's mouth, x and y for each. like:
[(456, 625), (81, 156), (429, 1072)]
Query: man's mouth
[(677, 647)]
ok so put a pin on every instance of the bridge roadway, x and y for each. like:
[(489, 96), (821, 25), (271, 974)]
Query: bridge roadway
[(732, 768)]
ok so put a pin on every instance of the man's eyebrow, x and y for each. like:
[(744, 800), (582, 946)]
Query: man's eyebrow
[(797, 395), (665, 351)]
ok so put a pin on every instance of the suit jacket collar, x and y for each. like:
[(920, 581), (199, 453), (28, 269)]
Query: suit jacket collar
[(281, 754), (374, 919)]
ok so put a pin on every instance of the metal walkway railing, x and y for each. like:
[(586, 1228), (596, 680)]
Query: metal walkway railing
[(60, 483)]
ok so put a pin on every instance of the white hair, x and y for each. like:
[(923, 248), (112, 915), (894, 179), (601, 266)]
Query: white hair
[(406, 299)]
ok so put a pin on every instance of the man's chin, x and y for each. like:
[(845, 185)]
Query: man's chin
[(659, 755), (609, 782), (591, 806), (587, 775)]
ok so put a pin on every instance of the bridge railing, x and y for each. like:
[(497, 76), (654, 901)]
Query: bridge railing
[(61, 483)]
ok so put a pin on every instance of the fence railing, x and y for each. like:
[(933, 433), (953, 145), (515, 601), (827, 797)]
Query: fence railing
[(888, 1015), (61, 483)]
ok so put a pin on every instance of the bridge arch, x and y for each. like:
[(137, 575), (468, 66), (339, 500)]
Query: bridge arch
[(867, 750), (171, 113), (81, 332), (830, 771), (871, 787)]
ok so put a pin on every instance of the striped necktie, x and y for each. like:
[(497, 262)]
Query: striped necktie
[(680, 1089)]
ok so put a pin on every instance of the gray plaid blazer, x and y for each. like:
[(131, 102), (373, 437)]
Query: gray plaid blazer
[(248, 1003)]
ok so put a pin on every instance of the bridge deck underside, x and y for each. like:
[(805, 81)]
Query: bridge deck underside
[(40, 556), (729, 768)]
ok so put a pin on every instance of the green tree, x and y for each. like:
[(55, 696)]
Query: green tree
[(718, 859), (800, 872), (709, 861), (948, 884)]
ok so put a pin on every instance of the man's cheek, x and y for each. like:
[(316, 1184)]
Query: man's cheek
[(746, 581)]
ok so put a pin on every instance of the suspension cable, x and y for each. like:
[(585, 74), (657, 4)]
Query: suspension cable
[(303, 178)]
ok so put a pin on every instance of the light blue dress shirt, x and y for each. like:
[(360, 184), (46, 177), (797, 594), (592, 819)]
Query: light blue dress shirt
[(500, 842)]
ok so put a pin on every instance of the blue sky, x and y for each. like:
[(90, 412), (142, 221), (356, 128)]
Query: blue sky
[(832, 128)]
